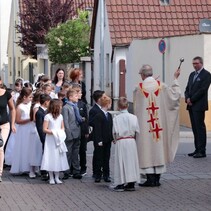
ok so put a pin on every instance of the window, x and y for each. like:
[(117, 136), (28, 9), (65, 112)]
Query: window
[(107, 70), (164, 2)]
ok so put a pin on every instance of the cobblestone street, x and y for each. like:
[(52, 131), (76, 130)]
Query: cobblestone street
[(185, 186)]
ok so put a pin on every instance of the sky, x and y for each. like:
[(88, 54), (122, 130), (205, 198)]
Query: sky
[(5, 7)]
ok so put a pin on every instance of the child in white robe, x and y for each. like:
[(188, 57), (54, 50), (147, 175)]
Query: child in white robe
[(126, 166)]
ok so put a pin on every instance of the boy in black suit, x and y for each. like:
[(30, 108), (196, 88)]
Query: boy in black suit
[(102, 123), (97, 95), (39, 119)]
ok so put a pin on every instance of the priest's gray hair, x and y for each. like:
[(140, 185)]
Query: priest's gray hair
[(146, 70)]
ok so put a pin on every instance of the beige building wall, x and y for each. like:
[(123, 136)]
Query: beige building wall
[(18, 64)]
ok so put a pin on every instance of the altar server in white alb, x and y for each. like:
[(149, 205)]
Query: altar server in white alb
[(157, 108), (126, 166)]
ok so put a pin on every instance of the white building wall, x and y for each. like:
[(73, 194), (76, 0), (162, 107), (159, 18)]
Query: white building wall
[(146, 52), (207, 56), (107, 50)]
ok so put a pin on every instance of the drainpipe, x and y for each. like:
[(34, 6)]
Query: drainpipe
[(102, 34)]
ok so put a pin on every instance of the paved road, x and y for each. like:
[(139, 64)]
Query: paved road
[(185, 186)]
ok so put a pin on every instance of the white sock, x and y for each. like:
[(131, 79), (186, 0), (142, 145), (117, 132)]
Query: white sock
[(58, 181)]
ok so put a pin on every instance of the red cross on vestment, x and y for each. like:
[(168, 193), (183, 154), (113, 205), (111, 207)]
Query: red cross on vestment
[(152, 120), (156, 130), (153, 108)]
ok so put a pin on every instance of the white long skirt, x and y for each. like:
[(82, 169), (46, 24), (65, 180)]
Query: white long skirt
[(35, 156), (9, 149), (126, 166), (52, 159), (21, 150)]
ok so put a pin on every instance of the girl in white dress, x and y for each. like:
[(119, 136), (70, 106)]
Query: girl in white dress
[(126, 166), (54, 157), (21, 150), (35, 157)]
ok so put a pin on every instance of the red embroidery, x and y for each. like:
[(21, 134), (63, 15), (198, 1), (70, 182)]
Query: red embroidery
[(153, 108), (156, 130), (152, 120)]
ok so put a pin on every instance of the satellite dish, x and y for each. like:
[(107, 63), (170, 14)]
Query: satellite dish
[(205, 25)]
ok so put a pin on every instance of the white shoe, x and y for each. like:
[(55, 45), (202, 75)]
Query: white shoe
[(52, 182), (32, 175), (58, 181)]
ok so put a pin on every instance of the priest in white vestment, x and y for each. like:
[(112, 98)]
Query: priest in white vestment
[(157, 108)]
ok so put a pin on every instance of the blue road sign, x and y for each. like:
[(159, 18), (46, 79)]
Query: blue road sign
[(162, 46)]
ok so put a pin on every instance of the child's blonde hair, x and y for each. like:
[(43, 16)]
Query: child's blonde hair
[(71, 92), (122, 103)]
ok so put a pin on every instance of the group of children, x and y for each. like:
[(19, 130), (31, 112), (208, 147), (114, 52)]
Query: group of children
[(52, 135), (43, 135)]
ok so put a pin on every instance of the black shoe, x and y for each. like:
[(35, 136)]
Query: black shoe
[(97, 179), (44, 177), (147, 184), (192, 154), (157, 180), (119, 188), (77, 176), (129, 187), (199, 155), (66, 176), (107, 179)]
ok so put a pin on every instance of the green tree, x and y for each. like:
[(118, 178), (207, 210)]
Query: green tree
[(69, 41)]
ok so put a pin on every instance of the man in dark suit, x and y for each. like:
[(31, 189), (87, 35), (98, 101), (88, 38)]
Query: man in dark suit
[(92, 113), (39, 119), (196, 97)]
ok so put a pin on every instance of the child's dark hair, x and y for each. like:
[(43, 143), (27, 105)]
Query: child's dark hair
[(25, 92), (36, 99), (45, 86), (19, 82), (55, 108), (44, 98), (61, 94), (65, 85), (97, 95), (44, 78), (28, 85)]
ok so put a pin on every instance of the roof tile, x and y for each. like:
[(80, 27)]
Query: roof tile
[(130, 19)]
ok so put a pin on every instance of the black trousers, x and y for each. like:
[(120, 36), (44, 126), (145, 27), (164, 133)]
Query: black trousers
[(199, 130), (101, 159), (82, 153)]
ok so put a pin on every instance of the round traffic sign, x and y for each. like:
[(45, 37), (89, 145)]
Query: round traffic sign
[(162, 46)]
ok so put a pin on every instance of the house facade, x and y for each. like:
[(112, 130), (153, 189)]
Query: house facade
[(132, 34), (23, 66)]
